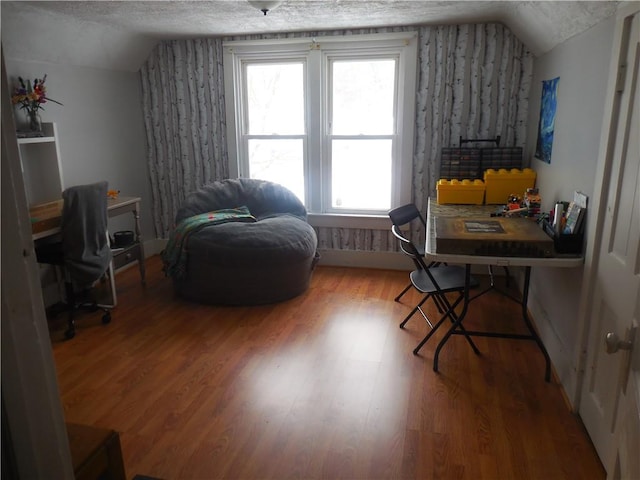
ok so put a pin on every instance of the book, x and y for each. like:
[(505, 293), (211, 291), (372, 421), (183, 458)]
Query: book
[(580, 222), (576, 211), (580, 199)]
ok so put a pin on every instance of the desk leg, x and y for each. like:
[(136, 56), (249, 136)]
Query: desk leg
[(136, 216), (527, 321), (458, 323)]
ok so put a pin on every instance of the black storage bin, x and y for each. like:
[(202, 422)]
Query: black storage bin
[(460, 163), (123, 239), (570, 243)]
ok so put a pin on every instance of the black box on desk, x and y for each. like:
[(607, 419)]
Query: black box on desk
[(565, 242)]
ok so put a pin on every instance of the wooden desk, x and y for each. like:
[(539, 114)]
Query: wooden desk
[(483, 212), (45, 222), (95, 453)]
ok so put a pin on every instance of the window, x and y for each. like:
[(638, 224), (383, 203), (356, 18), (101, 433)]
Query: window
[(331, 118), (275, 123)]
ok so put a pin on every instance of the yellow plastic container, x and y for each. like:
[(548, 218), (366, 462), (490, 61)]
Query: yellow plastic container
[(463, 192), (502, 183)]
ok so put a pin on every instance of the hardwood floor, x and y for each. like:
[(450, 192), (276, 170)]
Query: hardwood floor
[(321, 386)]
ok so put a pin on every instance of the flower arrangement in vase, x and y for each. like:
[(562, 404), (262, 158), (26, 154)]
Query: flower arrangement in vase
[(31, 96)]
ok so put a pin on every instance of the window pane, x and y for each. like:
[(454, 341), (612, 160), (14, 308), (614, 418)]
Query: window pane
[(361, 174), (275, 99), (279, 161), (363, 97)]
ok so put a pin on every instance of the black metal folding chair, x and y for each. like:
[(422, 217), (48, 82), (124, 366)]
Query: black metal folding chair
[(402, 217), (436, 283)]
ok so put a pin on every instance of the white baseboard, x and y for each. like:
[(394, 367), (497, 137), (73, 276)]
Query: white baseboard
[(562, 356), (362, 259), (351, 258), (345, 258), (335, 258), (154, 246)]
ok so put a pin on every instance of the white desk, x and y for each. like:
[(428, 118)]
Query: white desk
[(564, 261)]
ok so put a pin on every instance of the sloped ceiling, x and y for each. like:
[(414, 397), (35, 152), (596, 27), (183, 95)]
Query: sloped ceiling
[(119, 35)]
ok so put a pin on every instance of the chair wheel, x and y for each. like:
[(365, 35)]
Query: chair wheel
[(70, 333), (106, 318)]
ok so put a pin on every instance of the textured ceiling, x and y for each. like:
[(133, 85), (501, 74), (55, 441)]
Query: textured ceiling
[(120, 34)]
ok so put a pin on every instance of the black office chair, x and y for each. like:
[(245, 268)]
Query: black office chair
[(83, 254), (434, 282)]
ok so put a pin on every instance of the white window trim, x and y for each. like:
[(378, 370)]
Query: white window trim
[(235, 52)]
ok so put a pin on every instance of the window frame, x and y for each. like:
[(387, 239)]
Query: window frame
[(316, 55)]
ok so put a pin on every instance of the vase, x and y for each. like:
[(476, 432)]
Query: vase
[(34, 122)]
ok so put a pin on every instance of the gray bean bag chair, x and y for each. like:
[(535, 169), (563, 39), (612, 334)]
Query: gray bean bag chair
[(264, 259)]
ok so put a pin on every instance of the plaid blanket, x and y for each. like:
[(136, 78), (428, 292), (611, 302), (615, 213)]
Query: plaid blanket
[(174, 257)]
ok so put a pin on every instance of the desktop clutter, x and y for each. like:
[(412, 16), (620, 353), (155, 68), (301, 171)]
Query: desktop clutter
[(564, 224)]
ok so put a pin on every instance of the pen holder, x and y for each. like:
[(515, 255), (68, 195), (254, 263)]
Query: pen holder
[(564, 243)]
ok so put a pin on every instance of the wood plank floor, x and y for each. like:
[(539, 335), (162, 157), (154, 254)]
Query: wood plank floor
[(321, 386)]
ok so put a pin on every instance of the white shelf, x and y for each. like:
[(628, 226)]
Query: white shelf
[(41, 166), (25, 141)]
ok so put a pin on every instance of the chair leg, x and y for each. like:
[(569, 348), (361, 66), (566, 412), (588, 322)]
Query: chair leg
[(106, 316), (453, 317), (415, 309), (491, 278), (506, 274), (439, 304), (70, 332), (397, 299), (418, 308), (450, 315), (428, 336), (426, 318)]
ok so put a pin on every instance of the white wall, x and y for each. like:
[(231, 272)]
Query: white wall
[(100, 128), (582, 65)]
